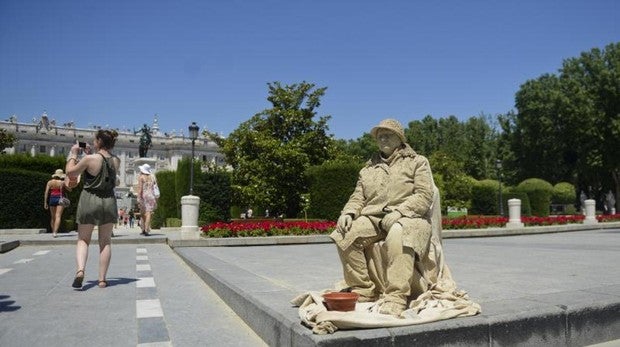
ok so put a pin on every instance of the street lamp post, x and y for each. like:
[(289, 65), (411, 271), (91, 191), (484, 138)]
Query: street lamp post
[(193, 134), (498, 166)]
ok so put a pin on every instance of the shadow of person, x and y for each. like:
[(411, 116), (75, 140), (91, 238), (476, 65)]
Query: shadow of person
[(7, 305), (116, 281)]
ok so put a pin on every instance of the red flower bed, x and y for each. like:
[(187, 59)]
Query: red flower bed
[(608, 218), (477, 222), (473, 222), (267, 228), (273, 227)]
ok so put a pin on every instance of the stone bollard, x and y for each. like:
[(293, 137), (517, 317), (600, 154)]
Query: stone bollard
[(189, 214), (590, 212), (514, 213)]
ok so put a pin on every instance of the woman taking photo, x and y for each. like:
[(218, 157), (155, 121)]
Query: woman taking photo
[(146, 197), (54, 192), (97, 204)]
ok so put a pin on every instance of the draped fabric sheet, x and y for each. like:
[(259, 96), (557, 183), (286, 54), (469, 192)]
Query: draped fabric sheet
[(434, 293)]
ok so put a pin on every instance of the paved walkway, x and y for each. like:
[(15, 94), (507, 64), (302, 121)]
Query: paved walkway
[(154, 299), (533, 290)]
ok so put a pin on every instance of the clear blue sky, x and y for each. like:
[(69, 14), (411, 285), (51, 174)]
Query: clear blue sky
[(118, 63)]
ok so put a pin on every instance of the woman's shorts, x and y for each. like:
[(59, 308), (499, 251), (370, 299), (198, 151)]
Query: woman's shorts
[(54, 200)]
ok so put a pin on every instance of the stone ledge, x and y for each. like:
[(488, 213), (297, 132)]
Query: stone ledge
[(22, 231), (7, 246), (559, 319)]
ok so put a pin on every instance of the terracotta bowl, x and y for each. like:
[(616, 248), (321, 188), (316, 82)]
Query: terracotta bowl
[(337, 301)]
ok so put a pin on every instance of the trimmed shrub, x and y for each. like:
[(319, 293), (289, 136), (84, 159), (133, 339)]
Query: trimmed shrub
[(173, 222), (158, 219), (167, 204), (484, 197), (539, 192), (215, 192), (182, 178), (22, 198), (564, 194), (330, 186)]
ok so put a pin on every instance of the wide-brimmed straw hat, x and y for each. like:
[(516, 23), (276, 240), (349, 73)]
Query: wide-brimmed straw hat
[(392, 125), (59, 174), (145, 169)]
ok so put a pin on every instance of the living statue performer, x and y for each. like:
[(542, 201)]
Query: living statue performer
[(388, 237)]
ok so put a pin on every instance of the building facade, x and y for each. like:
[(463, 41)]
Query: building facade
[(44, 137)]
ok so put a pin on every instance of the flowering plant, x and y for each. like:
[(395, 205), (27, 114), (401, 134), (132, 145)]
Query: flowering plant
[(608, 218), (477, 222), (267, 228), (273, 227)]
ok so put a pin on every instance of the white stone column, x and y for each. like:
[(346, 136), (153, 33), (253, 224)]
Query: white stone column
[(514, 213), (190, 205), (590, 212)]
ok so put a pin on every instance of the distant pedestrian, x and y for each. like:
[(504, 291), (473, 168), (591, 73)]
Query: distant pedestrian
[(54, 192), (146, 197), (131, 218)]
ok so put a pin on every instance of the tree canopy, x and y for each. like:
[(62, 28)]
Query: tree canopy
[(270, 152), (567, 126), (6, 140)]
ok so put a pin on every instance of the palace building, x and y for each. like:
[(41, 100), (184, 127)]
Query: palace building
[(43, 136)]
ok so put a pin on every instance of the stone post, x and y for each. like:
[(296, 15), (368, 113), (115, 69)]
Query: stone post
[(189, 214), (590, 212), (514, 212)]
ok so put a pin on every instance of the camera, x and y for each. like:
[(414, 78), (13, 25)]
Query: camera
[(82, 144)]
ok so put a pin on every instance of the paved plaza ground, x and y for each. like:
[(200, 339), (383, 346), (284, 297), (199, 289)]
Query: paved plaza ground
[(216, 296)]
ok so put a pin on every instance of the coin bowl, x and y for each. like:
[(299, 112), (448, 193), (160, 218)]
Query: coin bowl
[(337, 301)]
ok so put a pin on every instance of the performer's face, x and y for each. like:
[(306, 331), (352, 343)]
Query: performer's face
[(388, 141)]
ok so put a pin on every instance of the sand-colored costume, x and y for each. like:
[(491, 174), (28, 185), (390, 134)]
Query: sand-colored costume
[(434, 297), (399, 269)]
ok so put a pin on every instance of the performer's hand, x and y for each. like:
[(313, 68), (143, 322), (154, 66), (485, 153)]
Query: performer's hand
[(390, 219), (344, 222)]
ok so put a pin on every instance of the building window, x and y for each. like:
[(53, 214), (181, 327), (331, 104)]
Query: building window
[(42, 149)]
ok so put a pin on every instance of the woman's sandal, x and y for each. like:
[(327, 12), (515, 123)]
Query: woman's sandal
[(77, 281), (103, 283)]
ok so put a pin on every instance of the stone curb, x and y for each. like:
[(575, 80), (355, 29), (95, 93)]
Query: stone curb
[(446, 234), (7, 246), (22, 231)]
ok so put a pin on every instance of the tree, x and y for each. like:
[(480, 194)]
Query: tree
[(592, 87), (6, 140), (270, 152), (568, 125), (454, 185), (480, 145), (542, 134), (423, 136), (360, 149), (472, 144)]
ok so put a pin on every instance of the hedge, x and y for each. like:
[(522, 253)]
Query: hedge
[(330, 186), (539, 192), (564, 193), (484, 197)]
